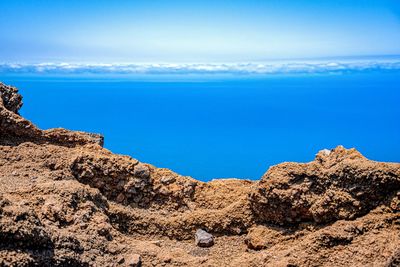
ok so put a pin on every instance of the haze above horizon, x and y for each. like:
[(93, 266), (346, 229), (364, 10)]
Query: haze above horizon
[(196, 31)]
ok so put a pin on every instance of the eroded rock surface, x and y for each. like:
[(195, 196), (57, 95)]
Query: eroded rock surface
[(66, 201), (16, 130), (341, 184)]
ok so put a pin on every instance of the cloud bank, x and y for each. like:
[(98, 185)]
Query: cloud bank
[(309, 67)]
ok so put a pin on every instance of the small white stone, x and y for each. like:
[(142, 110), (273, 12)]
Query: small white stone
[(326, 152)]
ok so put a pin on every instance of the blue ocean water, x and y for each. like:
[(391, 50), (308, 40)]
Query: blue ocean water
[(218, 128)]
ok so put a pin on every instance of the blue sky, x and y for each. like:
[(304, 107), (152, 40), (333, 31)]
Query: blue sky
[(196, 31)]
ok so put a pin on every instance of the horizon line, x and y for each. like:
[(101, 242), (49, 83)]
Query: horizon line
[(306, 66)]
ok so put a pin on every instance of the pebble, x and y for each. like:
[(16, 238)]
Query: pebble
[(326, 152), (120, 259), (120, 198), (134, 260), (141, 171), (204, 239), (167, 179)]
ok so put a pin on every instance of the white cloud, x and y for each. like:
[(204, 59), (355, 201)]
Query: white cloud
[(194, 68)]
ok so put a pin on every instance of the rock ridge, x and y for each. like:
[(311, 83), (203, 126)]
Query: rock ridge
[(67, 201), (14, 129)]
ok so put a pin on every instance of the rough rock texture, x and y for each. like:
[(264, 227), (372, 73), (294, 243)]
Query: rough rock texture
[(66, 201), (15, 130), (338, 184)]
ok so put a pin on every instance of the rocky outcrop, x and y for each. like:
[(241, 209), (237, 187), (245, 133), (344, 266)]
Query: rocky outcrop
[(66, 201), (15, 130), (10, 98), (338, 184), (127, 181)]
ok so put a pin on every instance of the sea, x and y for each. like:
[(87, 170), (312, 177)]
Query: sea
[(223, 127)]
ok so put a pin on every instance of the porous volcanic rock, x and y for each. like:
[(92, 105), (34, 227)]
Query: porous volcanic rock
[(67, 201), (338, 184), (10, 98), (15, 130)]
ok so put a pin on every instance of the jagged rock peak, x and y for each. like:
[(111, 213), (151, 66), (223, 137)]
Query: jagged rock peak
[(15, 129), (12, 100)]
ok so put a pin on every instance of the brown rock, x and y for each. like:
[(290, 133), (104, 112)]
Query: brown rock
[(10, 98), (133, 260), (167, 180), (324, 190), (261, 237), (141, 171)]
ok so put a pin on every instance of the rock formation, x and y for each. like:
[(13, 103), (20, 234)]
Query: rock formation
[(67, 201)]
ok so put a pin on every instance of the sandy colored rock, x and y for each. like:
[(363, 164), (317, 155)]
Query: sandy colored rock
[(15, 130), (67, 201), (261, 237), (341, 184), (134, 260)]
